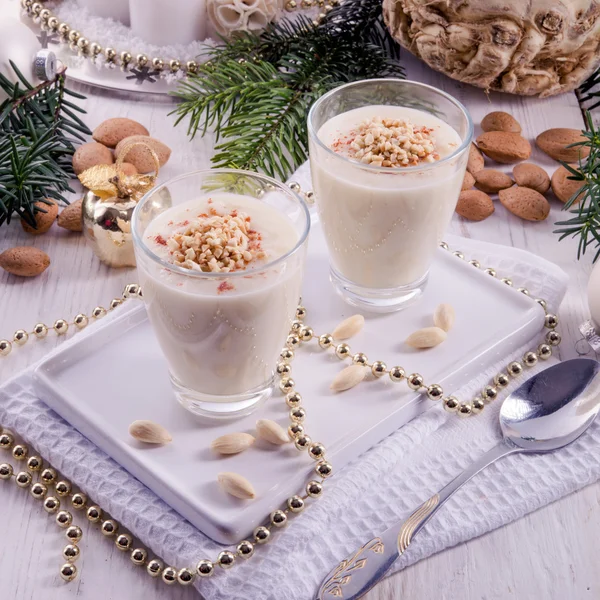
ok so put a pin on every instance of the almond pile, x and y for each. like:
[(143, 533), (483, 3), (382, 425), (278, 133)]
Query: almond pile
[(502, 142)]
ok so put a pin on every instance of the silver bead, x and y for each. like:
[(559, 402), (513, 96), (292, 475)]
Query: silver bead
[(23, 479), (342, 351), (324, 469), (115, 302), (501, 380), (302, 442), (169, 575), (310, 197), (53, 23), (34, 464), (131, 290), (185, 577), (98, 312), (297, 414), (316, 451), (378, 368), (38, 491), (435, 392), (158, 64), (80, 321), (360, 359), (292, 341), (286, 384), (64, 29), (293, 399), (325, 341), (226, 559), (5, 347), (459, 254), (444, 246), (141, 60), (191, 66), (125, 58), (174, 65), (74, 534), (475, 263), (489, 393), (154, 567), (530, 359), (415, 381), (451, 404), (45, 14), (553, 338), (71, 552), (20, 337), (94, 514), (138, 556), (49, 475), (61, 326), (544, 351), (95, 49), (51, 505), (306, 333), (40, 330), (295, 430), (6, 440), (6, 471), (78, 501), (296, 325), (64, 519), (314, 489), (278, 518), (20, 452), (541, 302), (205, 568), (83, 44), (490, 271), (261, 535), (283, 368), (295, 504), (110, 54), (295, 187), (74, 36), (464, 409), (477, 406), (507, 281), (300, 312), (109, 527), (286, 355), (515, 368), (68, 572), (245, 549), (523, 291), (397, 374), (63, 488), (550, 321)]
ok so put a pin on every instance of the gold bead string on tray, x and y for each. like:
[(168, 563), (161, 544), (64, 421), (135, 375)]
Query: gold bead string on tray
[(124, 58)]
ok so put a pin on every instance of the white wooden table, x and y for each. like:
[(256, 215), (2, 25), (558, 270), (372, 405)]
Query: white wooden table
[(551, 554)]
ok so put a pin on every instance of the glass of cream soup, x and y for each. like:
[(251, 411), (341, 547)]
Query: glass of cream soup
[(387, 160), (220, 272)]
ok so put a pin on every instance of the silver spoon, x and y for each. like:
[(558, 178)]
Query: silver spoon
[(547, 412)]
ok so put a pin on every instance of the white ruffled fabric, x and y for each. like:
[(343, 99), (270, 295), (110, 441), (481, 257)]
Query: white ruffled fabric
[(383, 485)]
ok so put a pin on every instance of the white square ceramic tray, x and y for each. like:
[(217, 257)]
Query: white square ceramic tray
[(117, 375)]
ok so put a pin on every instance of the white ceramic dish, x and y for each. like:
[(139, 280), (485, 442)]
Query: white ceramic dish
[(117, 375)]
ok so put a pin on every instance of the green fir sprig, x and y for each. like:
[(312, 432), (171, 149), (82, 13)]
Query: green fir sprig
[(255, 90), (39, 128)]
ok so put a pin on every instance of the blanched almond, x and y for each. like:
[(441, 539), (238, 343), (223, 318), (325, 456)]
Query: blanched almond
[(504, 146), (272, 432), (426, 338), (348, 327), (149, 432), (444, 317), (348, 378), (232, 443), (236, 485), (492, 181)]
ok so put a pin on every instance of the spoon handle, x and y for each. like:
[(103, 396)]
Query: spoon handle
[(417, 520)]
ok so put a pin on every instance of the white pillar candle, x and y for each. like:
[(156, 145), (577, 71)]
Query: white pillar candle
[(110, 9), (19, 44)]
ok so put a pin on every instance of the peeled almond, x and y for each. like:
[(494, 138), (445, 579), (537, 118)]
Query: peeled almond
[(149, 432), (232, 443), (426, 338), (236, 485), (444, 317), (349, 327), (348, 378), (272, 432)]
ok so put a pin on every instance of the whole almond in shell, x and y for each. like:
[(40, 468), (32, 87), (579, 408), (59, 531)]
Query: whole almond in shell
[(500, 121), (525, 203), (474, 205), (24, 261), (475, 161), (468, 181), (90, 155), (531, 176), (563, 187), (139, 156), (112, 131), (44, 220), (504, 146), (492, 181), (128, 169), (554, 143), (70, 217)]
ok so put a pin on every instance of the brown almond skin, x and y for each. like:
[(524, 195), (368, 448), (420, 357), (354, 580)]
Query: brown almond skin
[(500, 121), (563, 187), (532, 176), (525, 203), (492, 181), (474, 205), (24, 261), (475, 162), (468, 181), (44, 220), (70, 217), (90, 155), (110, 132), (504, 147), (554, 143), (129, 169), (139, 156)]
